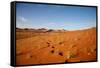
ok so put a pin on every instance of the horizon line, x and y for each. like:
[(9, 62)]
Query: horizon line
[(57, 29)]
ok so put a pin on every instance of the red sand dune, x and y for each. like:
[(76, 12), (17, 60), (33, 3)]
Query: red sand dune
[(55, 47)]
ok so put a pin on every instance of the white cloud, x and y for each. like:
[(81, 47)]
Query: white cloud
[(22, 19)]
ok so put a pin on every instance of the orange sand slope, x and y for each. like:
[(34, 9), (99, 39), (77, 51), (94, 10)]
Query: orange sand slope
[(55, 46)]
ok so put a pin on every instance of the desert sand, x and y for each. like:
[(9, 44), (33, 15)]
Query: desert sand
[(45, 47)]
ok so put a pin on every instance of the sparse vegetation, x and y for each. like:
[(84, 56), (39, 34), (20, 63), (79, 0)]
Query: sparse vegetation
[(50, 30), (53, 47), (52, 51), (73, 55), (66, 61), (61, 53), (61, 42)]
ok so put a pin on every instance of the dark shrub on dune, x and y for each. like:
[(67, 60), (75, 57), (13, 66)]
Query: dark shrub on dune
[(26, 29), (50, 30)]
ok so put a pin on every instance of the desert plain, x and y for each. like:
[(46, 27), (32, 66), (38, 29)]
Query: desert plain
[(42, 46)]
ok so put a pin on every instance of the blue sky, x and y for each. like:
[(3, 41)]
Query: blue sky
[(54, 16)]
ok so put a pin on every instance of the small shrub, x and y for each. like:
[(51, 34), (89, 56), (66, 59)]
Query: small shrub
[(50, 30), (66, 61), (31, 56), (48, 44), (60, 42), (52, 46), (52, 51), (73, 55), (60, 53)]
